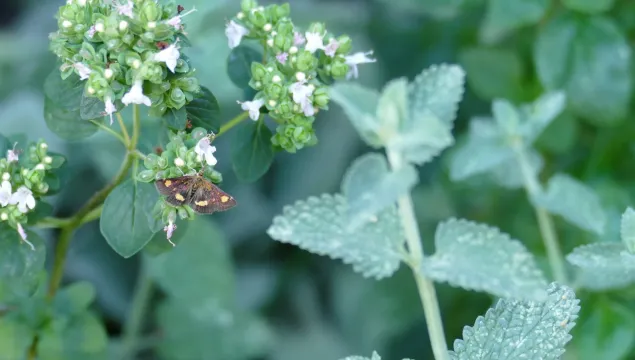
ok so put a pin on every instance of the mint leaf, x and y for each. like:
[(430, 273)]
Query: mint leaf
[(504, 16), (21, 266), (589, 6), (360, 104), (320, 225), (493, 73), (507, 117), (574, 201), (478, 257), (370, 187), (514, 329), (509, 174), (438, 89), (627, 229), (603, 266), (590, 59), (539, 114)]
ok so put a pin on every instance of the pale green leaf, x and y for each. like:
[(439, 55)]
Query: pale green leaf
[(493, 73), (392, 107), (370, 187), (359, 104), (478, 156), (15, 338), (479, 257), (374, 356), (589, 6), (509, 175), (422, 146), (628, 229), (506, 116), (83, 337), (504, 16), (603, 266), (539, 114), (516, 329), (574, 201), (320, 225)]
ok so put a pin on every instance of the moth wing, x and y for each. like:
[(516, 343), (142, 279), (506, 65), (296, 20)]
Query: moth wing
[(176, 190), (209, 198)]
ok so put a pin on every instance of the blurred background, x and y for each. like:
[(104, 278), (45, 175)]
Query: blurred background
[(313, 308)]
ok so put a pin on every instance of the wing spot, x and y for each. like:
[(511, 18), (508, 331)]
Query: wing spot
[(201, 203), (224, 199), (168, 183), (179, 197)]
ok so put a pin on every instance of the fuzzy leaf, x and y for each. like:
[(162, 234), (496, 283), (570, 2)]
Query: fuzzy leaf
[(508, 174), (504, 16), (370, 187), (252, 153), (438, 89), (574, 201), (516, 329), (603, 265), (320, 225), (21, 266), (15, 338), (478, 257), (64, 93), (628, 229), (359, 104), (539, 114)]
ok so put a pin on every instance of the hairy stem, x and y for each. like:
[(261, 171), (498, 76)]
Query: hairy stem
[(545, 223), (233, 122), (427, 293), (134, 323)]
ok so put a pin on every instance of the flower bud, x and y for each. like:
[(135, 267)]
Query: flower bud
[(258, 71), (123, 25), (247, 5), (4, 216), (346, 44), (305, 61), (151, 161), (267, 27), (321, 97), (257, 18), (179, 162), (108, 74), (319, 28), (339, 69), (146, 176)]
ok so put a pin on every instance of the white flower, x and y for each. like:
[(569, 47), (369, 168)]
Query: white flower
[(23, 197), (169, 230), (301, 93), (175, 22), (253, 107), (126, 9), (205, 151), (170, 56), (135, 95), (110, 108), (358, 58), (12, 155), (83, 70), (5, 193), (314, 42), (235, 33), (331, 48), (23, 236)]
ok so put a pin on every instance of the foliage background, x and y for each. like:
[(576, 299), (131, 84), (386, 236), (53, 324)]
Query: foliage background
[(314, 307)]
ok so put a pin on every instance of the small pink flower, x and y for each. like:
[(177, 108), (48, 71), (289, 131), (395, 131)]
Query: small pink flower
[(282, 57), (12, 155), (126, 9), (169, 230), (23, 236), (332, 47), (298, 39)]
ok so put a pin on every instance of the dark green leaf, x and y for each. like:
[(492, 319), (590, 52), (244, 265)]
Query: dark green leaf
[(84, 337), (65, 94), (239, 65), (176, 119), (21, 266), (204, 111), (42, 210), (252, 153), (125, 219), (504, 16), (74, 299), (92, 108), (67, 124), (493, 73), (15, 338), (589, 58), (589, 6)]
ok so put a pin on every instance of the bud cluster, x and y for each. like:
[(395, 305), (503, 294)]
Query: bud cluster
[(26, 177), (128, 51), (292, 81)]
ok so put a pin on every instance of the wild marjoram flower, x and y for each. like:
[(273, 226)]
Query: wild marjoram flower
[(235, 32), (253, 107), (5, 193), (314, 42), (358, 58), (110, 108), (169, 230), (23, 197), (170, 56), (205, 151), (135, 95)]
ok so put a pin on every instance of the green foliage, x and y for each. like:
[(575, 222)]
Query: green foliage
[(493, 73), (603, 265), (374, 356), (204, 111), (504, 16), (627, 229), (514, 328), (239, 65), (252, 153), (478, 257), (176, 119)]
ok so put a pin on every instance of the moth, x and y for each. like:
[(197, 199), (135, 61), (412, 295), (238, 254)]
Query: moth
[(196, 191)]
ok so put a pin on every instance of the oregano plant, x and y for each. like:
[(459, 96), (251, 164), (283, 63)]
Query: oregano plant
[(173, 130)]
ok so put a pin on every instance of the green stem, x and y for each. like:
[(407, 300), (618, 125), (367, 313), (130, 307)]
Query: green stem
[(233, 122), (134, 323), (545, 223), (427, 293), (111, 132), (124, 130)]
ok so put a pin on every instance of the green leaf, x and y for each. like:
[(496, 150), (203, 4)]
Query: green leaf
[(509, 174), (504, 16), (252, 152), (628, 229), (203, 248), (360, 104), (21, 266), (320, 225), (66, 123), (42, 210), (204, 111), (126, 217), (574, 201), (590, 59), (83, 337), (608, 333), (74, 299), (589, 6), (374, 356), (15, 338), (239, 64), (65, 94), (603, 266), (176, 119), (91, 108), (560, 136), (370, 187), (478, 257), (493, 73), (515, 328), (539, 114), (507, 117)]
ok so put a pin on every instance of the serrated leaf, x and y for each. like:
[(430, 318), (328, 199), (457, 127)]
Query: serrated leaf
[(589, 6), (539, 114), (590, 59), (176, 119), (204, 111), (66, 123), (126, 217), (516, 329), (574, 201), (320, 225), (509, 174), (239, 65), (504, 16), (83, 337), (627, 229), (252, 152), (493, 73), (421, 147), (602, 266), (479, 154), (370, 187), (359, 104), (479, 257)]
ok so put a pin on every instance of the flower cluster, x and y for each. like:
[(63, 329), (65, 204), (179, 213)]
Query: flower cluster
[(25, 179), (128, 51), (186, 154), (297, 68)]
